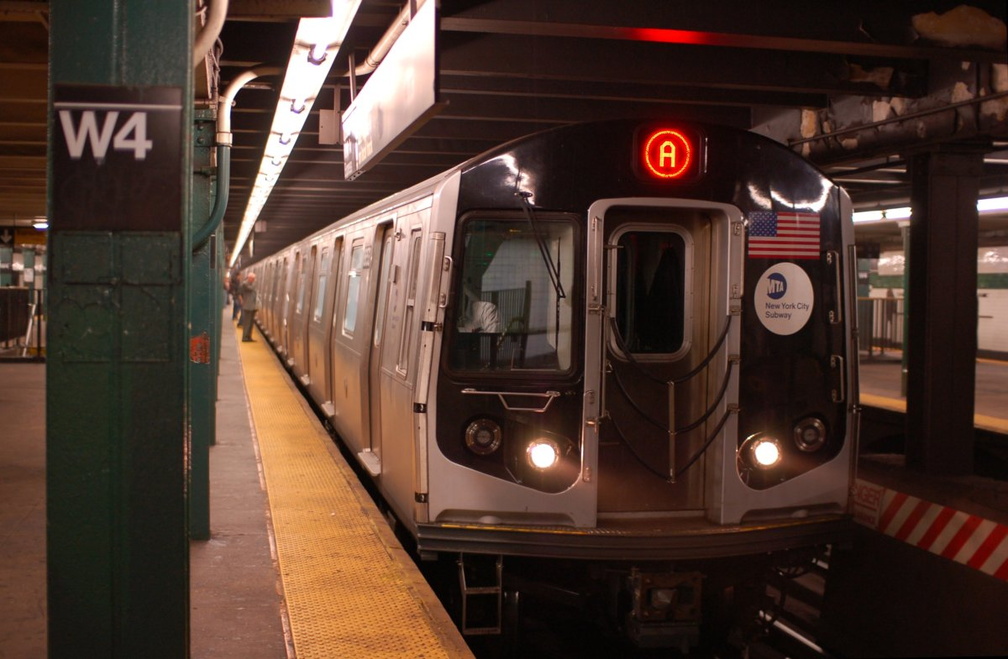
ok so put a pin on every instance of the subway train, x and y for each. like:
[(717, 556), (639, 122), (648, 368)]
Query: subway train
[(619, 356)]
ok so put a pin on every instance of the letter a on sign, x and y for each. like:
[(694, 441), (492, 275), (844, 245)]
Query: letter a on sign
[(668, 153)]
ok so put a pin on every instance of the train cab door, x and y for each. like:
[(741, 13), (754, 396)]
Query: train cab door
[(384, 270), (660, 301)]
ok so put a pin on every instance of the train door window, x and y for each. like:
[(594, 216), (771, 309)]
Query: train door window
[(383, 286), (354, 276), (412, 270), (299, 307), (270, 283), (335, 271), (320, 289), (283, 287), (514, 301), (650, 294)]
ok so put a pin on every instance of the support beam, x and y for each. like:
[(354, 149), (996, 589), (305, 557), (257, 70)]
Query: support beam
[(120, 121), (204, 327), (942, 302)]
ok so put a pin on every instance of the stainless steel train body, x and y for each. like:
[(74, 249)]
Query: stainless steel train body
[(621, 341)]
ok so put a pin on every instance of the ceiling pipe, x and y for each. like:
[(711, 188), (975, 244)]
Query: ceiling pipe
[(899, 118), (224, 141), (207, 37), (380, 50)]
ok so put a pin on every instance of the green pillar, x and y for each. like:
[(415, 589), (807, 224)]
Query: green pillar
[(28, 274), (7, 263), (116, 443), (204, 317)]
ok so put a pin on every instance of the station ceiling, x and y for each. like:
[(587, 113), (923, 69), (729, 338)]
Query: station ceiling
[(858, 86)]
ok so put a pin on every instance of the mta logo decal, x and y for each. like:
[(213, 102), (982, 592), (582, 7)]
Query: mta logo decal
[(776, 286)]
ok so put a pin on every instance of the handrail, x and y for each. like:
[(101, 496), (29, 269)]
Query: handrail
[(549, 395)]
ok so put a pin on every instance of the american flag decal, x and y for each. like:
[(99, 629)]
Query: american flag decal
[(783, 235)]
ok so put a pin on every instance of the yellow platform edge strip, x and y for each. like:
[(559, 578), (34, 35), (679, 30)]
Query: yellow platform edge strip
[(350, 588), (983, 421)]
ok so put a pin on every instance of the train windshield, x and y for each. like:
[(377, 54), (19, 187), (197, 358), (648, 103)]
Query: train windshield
[(513, 299)]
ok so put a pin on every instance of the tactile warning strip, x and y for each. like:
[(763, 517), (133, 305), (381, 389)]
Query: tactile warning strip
[(350, 589)]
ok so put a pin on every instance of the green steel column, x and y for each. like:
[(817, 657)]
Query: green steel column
[(28, 260), (7, 264), (116, 445), (203, 350)]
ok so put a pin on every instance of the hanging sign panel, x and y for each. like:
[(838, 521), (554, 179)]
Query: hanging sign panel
[(399, 96), (117, 158)]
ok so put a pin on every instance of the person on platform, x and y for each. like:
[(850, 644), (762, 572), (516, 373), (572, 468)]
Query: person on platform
[(248, 296), (234, 288)]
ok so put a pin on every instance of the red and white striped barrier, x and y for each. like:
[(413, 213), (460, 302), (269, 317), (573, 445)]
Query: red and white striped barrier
[(967, 539)]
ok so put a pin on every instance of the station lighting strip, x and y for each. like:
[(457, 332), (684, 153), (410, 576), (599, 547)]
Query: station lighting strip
[(315, 46), (984, 207)]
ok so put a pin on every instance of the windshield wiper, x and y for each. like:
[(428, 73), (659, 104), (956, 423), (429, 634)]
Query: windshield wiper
[(551, 267)]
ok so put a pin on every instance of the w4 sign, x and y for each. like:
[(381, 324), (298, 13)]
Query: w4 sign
[(117, 158), (130, 136)]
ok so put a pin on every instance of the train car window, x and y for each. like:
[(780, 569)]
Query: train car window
[(283, 287), (383, 286), (299, 307), (649, 291), (513, 298), (354, 276), (321, 288), (335, 270), (412, 269)]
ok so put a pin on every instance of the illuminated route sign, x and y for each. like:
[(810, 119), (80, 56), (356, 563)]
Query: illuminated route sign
[(116, 158), (669, 154)]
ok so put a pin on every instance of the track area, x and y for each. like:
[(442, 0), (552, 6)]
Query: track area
[(349, 588)]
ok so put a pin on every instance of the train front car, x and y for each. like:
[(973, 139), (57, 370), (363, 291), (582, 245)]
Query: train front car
[(647, 363)]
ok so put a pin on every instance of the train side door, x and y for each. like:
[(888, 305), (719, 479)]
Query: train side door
[(384, 269)]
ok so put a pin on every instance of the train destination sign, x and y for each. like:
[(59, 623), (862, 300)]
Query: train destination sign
[(669, 154), (117, 158)]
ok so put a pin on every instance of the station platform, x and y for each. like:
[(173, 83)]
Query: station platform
[(300, 562)]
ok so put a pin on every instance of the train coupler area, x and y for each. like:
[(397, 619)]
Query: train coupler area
[(666, 609)]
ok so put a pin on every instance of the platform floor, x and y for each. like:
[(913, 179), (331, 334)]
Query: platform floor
[(881, 386)]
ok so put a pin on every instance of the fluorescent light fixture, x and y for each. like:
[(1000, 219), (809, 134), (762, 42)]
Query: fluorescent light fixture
[(984, 207), (884, 215), (993, 205), (315, 47), (41, 223)]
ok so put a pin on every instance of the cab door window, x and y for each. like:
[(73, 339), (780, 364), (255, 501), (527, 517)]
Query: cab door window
[(650, 291)]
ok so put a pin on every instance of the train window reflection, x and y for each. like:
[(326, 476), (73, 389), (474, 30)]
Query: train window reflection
[(649, 291), (354, 276), (301, 287), (322, 279), (513, 303)]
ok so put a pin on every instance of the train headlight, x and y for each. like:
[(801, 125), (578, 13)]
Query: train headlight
[(810, 434), (761, 452), (483, 436), (542, 453)]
